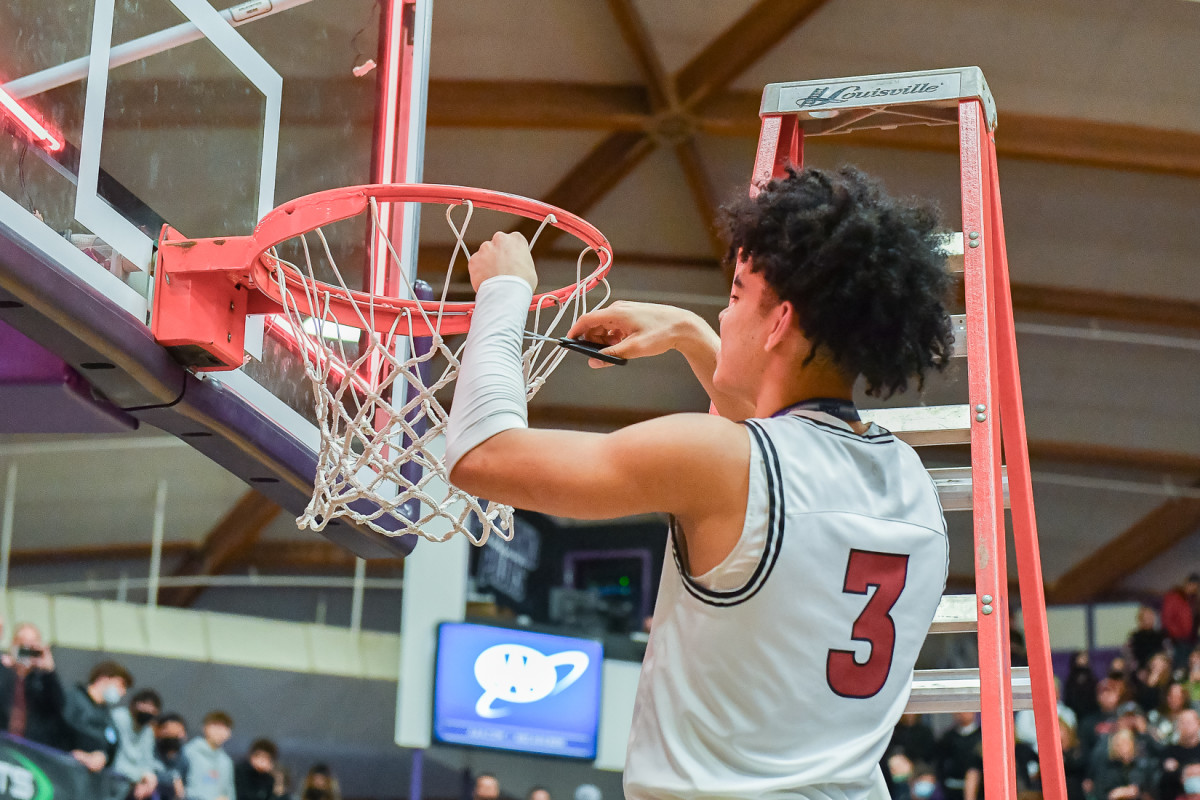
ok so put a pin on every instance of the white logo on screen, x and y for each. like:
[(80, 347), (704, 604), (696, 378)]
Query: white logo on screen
[(518, 674)]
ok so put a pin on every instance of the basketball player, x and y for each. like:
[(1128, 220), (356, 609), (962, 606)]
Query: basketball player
[(807, 548)]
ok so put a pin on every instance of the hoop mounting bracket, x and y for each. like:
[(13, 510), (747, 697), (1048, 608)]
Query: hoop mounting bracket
[(201, 299)]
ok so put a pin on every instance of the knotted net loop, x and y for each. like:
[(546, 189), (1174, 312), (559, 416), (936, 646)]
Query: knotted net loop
[(381, 423)]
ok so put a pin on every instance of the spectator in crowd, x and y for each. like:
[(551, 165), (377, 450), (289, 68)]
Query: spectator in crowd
[(1118, 670), (322, 784), (1179, 754), (1079, 692), (1179, 617), (91, 735), (913, 738), (254, 778), (1075, 760), (1192, 678), (210, 769), (1162, 719), (960, 758), (135, 742), (31, 695), (1191, 782), (1025, 723), (283, 784), (170, 764), (487, 787), (923, 785), (1122, 775), (1130, 717), (1104, 720), (1150, 683), (539, 793), (1146, 639), (898, 769)]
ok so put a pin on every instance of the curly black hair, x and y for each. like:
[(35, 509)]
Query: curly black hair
[(864, 271)]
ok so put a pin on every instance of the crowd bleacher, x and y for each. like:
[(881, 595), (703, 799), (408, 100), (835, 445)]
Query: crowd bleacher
[(143, 750), (1130, 729)]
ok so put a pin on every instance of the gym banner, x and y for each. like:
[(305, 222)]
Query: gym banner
[(31, 772)]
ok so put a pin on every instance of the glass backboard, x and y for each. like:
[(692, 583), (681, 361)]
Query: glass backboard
[(120, 116)]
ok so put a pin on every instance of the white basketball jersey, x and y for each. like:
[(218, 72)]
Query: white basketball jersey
[(781, 673)]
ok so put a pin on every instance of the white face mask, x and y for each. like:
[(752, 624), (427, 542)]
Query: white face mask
[(1191, 784), (923, 789), (112, 695)]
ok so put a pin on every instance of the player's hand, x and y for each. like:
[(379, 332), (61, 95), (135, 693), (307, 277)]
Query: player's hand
[(632, 330), (504, 254)]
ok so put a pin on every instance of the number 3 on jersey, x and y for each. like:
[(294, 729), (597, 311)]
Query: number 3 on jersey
[(887, 572)]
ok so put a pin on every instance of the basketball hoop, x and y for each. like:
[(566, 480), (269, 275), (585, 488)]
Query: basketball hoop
[(374, 388)]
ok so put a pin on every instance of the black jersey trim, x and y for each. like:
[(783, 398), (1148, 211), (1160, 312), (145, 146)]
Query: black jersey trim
[(877, 438), (775, 520)]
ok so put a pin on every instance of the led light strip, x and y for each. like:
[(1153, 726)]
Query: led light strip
[(39, 131)]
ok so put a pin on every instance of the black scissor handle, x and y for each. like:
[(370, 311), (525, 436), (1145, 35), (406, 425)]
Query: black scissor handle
[(592, 350)]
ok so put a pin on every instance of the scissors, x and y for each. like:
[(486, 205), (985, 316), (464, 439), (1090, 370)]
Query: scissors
[(589, 349)]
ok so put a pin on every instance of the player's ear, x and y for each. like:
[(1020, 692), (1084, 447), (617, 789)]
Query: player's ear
[(782, 321)]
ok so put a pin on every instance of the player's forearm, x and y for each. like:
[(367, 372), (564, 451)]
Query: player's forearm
[(700, 345), (489, 396)]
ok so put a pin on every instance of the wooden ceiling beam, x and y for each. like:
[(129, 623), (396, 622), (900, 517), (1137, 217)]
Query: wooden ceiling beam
[(1150, 537), (1183, 466), (104, 552), (238, 530), (699, 186), (593, 177), (1167, 311), (580, 106), (298, 556), (660, 89), (671, 121), (743, 43), (538, 104), (1031, 137), (303, 556), (1099, 455), (749, 38)]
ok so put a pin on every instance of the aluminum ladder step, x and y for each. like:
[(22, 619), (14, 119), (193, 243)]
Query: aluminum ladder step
[(938, 691), (841, 105), (923, 426), (952, 245), (954, 487), (956, 613)]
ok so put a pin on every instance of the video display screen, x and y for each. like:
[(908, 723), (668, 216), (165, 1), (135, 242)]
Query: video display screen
[(517, 690)]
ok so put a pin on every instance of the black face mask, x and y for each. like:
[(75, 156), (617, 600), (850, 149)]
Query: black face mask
[(317, 794), (169, 744), (143, 717)]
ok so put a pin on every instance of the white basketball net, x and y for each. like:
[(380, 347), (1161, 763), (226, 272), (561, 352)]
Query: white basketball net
[(380, 459)]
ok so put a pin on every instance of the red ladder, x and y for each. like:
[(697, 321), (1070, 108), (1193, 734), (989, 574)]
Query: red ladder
[(793, 111)]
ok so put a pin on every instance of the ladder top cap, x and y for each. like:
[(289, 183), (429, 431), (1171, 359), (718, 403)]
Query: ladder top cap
[(823, 101)]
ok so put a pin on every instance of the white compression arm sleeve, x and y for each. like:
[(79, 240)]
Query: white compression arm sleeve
[(490, 393)]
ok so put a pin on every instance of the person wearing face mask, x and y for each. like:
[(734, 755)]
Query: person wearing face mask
[(923, 784), (87, 714), (170, 764), (135, 742), (1191, 781), (1185, 750)]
